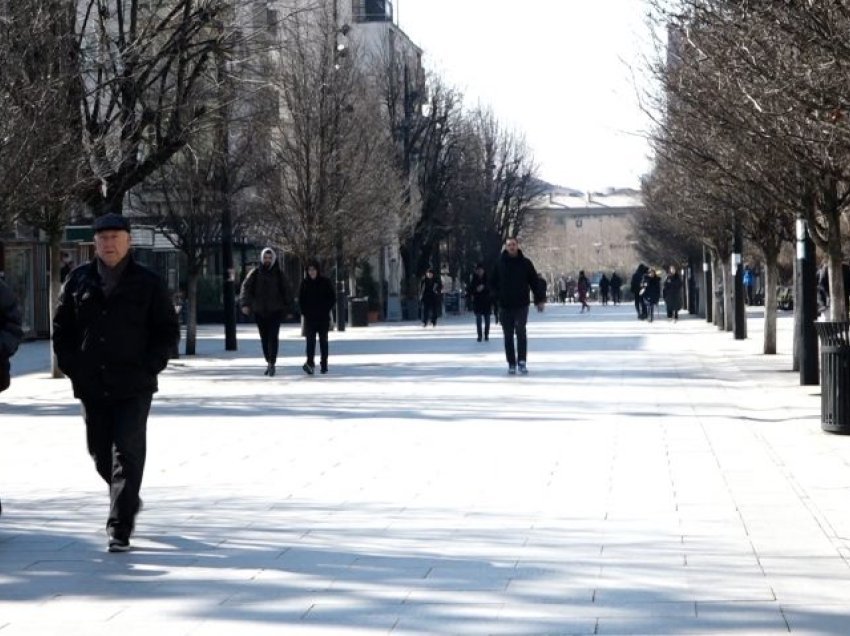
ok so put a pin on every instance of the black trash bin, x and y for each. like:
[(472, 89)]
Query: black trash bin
[(359, 312), (834, 376)]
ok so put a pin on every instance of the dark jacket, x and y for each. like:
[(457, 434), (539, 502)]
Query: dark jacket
[(637, 279), (513, 280), (316, 298), (583, 287), (113, 347), (481, 300), (265, 291), (616, 282), (10, 332), (430, 289), (604, 284), (673, 292), (651, 289)]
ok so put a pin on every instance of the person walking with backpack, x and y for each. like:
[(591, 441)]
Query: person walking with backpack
[(479, 291), (11, 332), (316, 298), (513, 281), (265, 294)]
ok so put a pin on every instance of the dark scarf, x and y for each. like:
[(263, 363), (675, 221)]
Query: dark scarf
[(111, 276)]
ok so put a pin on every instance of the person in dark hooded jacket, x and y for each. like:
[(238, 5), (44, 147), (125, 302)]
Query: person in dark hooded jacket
[(635, 287), (513, 281), (479, 291), (265, 294), (316, 298), (10, 334)]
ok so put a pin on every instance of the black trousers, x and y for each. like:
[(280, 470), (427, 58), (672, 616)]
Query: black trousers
[(430, 307), (116, 435), (513, 322), (311, 330), (640, 306), (485, 319), (269, 327)]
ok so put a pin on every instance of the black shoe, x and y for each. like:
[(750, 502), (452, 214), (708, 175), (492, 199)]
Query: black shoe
[(309, 369), (266, 372), (479, 338), (119, 540), (271, 370), (324, 369), (486, 338)]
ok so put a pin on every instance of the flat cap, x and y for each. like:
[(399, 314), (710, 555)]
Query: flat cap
[(111, 221)]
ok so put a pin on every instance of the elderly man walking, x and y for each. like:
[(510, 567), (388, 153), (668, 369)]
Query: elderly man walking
[(113, 330)]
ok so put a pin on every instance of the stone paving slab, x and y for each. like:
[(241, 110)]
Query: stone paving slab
[(643, 479)]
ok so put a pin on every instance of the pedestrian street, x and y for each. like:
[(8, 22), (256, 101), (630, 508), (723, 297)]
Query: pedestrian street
[(641, 479)]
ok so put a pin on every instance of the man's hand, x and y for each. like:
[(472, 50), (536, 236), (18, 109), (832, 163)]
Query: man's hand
[(246, 311), (540, 306)]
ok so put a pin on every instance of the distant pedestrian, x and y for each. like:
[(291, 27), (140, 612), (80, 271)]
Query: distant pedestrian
[(67, 266), (562, 289), (113, 331), (616, 284), (748, 285), (478, 291), (430, 289), (513, 281), (265, 294), (316, 299), (636, 287), (11, 333), (672, 293), (583, 287), (604, 288)]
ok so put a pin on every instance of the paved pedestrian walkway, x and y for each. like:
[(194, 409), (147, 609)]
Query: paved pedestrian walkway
[(642, 479)]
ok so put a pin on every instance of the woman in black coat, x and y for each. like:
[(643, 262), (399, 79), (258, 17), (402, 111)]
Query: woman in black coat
[(651, 292), (673, 294), (316, 298), (479, 292), (430, 289)]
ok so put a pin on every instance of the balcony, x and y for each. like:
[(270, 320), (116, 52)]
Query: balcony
[(372, 10)]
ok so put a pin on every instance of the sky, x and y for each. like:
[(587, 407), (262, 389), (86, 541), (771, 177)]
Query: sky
[(566, 73)]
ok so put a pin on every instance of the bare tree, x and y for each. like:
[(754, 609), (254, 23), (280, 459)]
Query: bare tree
[(337, 189), (141, 66)]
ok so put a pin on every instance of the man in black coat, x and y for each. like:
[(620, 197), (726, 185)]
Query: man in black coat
[(11, 333), (316, 298), (113, 330), (513, 281)]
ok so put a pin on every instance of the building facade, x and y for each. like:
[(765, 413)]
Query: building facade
[(570, 230)]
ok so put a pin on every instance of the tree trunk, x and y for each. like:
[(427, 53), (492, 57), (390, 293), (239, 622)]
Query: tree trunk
[(192, 312), (716, 283), (728, 293), (771, 275), (837, 293), (55, 239)]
